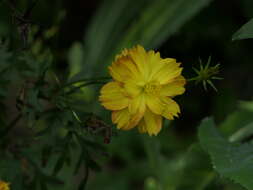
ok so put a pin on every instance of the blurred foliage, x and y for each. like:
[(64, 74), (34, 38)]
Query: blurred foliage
[(245, 32), (147, 22), (53, 133)]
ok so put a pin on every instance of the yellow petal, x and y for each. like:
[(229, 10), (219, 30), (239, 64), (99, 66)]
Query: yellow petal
[(137, 105), (142, 126), (139, 56), (123, 119), (171, 108), (167, 72), (174, 88), (132, 89), (124, 68), (156, 63), (153, 123), (155, 104), (112, 96), (152, 60)]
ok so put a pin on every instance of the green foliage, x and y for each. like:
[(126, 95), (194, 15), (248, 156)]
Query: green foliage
[(232, 160), (148, 23), (237, 120), (56, 145), (245, 32)]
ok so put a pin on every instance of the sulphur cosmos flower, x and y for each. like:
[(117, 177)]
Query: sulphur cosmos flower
[(4, 185), (142, 89)]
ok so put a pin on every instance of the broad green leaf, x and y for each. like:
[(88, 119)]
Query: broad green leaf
[(75, 58), (196, 168), (231, 160), (179, 171), (245, 32), (160, 20), (106, 30), (119, 24)]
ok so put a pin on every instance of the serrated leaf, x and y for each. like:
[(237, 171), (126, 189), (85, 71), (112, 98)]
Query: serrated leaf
[(196, 167), (231, 160), (245, 32)]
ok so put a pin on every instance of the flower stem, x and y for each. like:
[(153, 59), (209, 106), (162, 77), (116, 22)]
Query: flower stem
[(242, 133), (192, 79), (86, 80), (83, 85)]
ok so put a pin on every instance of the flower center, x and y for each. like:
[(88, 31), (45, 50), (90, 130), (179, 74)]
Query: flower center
[(152, 88)]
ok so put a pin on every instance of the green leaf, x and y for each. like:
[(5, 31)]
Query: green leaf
[(196, 166), (231, 160), (247, 105), (148, 23), (242, 134), (236, 121), (245, 32), (75, 58), (160, 20)]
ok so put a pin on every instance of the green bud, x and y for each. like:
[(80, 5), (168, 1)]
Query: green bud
[(206, 73)]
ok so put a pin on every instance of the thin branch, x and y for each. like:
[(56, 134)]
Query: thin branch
[(83, 85), (85, 80)]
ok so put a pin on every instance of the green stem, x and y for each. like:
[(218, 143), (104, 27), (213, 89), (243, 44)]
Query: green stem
[(86, 80), (83, 85), (192, 79), (242, 133)]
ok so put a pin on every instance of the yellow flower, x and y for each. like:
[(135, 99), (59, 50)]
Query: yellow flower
[(4, 185), (142, 90)]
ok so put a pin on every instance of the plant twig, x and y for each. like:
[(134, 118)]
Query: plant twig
[(83, 85), (85, 80)]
